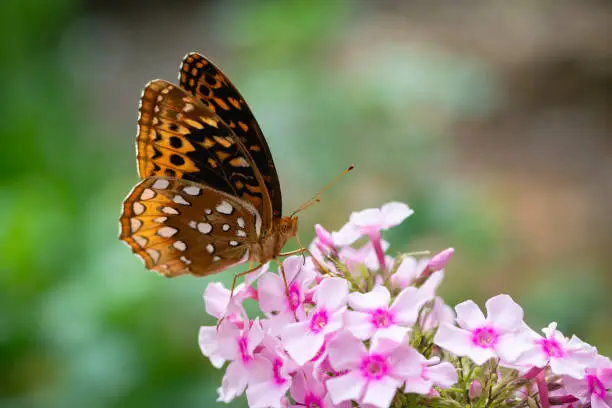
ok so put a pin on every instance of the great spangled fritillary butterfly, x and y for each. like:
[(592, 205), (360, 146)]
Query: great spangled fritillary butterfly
[(209, 195)]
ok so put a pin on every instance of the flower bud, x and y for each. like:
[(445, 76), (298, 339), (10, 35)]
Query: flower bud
[(475, 389)]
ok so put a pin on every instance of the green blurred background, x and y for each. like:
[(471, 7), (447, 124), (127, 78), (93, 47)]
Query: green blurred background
[(490, 118)]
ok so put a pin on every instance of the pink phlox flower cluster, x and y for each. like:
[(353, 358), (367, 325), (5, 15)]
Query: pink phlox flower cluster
[(353, 326)]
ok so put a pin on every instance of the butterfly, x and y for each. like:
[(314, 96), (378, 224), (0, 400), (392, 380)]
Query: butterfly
[(209, 196)]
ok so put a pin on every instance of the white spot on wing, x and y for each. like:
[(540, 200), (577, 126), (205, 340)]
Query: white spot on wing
[(204, 227), (185, 260), (233, 243), (180, 200), (154, 254), (180, 245), (241, 233), (166, 232), (135, 224), (138, 208), (147, 194), (240, 221), (161, 184), (216, 258), (208, 211), (225, 208), (210, 248), (170, 211), (160, 220), (141, 241), (225, 227), (192, 190), (192, 224)]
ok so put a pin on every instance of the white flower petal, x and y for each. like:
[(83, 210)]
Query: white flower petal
[(366, 218), (348, 234), (406, 306), (300, 344), (395, 213), (511, 345), (418, 385), (454, 339), (233, 383), (346, 387), (332, 294), (380, 393), (359, 324), (216, 298), (271, 293), (376, 298), (504, 313), (469, 315), (406, 272), (443, 375), (406, 362), (208, 341), (345, 351)]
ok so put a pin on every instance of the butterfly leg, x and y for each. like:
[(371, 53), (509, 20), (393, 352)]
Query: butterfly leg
[(282, 272), (236, 276), (240, 274), (303, 250)]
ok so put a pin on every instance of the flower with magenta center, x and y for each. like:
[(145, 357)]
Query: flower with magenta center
[(372, 376), (304, 339), (501, 334), (565, 357), (373, 315)]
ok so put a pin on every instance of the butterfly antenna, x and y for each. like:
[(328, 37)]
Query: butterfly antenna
[(317, 197)]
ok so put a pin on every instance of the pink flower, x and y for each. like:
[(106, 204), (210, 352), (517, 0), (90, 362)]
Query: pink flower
[(594, 386), (432, 373), (475, 389), (217, 297), (271, 377), (308, 390), (303, 340), (371, 376), (440, 313), (370, 222), (565, 356), (440, 259), (237, 344), (272, 294), (407, 272), (364, 255), (500, 334), (372, 314), (372, 219), (323, 241)]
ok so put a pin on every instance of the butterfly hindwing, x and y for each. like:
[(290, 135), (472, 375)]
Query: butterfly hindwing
[(177, 226), (180, 137), (202, 79)]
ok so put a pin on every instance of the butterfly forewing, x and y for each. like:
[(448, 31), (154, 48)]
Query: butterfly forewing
[(177, 226), (180, 137), (205, 81)]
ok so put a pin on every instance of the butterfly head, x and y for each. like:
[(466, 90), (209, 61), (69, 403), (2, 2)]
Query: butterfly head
[(288, 226)]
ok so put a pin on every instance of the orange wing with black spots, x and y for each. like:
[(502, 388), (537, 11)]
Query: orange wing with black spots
[(202, 79), (180, 137), (177, 227)]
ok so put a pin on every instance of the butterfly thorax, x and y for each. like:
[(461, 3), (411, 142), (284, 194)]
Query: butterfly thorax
[(271, 245)]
